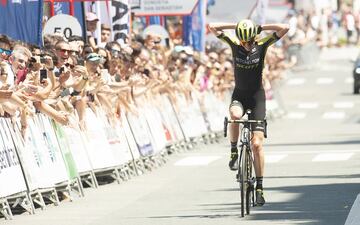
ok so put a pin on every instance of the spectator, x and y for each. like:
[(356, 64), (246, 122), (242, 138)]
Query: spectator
[(91, 23), (105, 35)]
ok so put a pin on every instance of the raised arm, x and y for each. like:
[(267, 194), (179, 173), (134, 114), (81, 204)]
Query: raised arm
[(217, 28), (280, 29)]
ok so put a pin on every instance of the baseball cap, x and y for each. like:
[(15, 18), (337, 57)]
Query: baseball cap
[(93, 57), (90, 16)]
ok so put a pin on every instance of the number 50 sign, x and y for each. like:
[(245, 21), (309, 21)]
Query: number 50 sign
[(63, 24)]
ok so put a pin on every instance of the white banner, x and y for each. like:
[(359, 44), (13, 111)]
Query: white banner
[(11, 177), (141, 133), (170, 120), (153, 118), (163, 7), (129, 137), (57, 165), (120, 17), (78, 149), (215, 110), (117, 142), (99, 150)]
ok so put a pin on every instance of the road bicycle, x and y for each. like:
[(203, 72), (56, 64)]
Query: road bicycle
[(245, 173)]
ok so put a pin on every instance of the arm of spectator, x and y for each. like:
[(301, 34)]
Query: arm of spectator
[(44, 93), (280, 29), (5, 95), (59, 117), (217, 28)]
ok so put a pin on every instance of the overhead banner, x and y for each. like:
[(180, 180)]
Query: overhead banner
[(22, 20), (163, 7), (120, 19)]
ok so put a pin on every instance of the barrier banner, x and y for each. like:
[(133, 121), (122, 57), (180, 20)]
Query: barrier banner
[(35, 144), (97, 145), (215, 111), (141, 133), (154, 121), (58, 168), (65, 149), (129, 137), (118, 145), (190, 117), (78, 150), (29, 161), (11, 176), (169, 118)]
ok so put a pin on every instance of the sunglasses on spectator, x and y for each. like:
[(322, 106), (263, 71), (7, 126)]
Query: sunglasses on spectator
[(7, 52), (115, 52), (157, 42), (69, 65), (64, 50)]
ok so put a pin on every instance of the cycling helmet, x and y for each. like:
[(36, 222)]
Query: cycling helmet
[(246, 30)]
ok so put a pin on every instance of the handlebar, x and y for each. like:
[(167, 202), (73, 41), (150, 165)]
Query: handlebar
[(227, 121)]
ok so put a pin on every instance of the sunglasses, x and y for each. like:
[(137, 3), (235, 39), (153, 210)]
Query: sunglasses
[(7, 52), (65, 50), (69, 65)]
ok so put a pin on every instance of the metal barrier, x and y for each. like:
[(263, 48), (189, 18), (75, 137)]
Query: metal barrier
[(54, 161)]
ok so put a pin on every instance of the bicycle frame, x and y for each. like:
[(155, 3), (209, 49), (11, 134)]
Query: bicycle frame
[(245, 174)]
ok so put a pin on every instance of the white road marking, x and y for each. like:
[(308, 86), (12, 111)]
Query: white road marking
[(296, 115), (354, 215), (333, 115), (342, 105), (326, 157), (349, 80), (324, 80), (274, 158), (308, 105), (296, 81), (197, 160)]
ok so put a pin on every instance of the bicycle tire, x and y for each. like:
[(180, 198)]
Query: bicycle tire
[(249, 191), (242, 181)]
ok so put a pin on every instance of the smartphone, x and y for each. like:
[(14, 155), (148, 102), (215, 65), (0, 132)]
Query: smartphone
[(43, 75), (61, 70), (167, 42), (146, 72)]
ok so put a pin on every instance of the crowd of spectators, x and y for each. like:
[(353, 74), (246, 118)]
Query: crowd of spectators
[(66, 76)]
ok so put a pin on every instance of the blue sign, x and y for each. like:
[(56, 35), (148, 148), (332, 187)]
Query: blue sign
[(194, 27), (22, 20)]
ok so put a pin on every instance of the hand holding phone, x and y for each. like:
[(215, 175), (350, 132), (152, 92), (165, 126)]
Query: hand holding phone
[(43, 75)]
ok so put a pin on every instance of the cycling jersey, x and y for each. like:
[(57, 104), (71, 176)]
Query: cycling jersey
[(248, 65)]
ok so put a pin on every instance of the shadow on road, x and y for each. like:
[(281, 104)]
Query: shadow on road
[(323, 204), (326, 204)]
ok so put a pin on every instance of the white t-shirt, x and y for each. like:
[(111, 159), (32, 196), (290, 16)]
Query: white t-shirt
[(10, 76)]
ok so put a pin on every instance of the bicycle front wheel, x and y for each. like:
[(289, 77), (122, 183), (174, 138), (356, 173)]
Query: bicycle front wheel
[(243, 177), (249, 186)]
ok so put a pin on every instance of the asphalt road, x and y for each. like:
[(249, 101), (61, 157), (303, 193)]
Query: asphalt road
[(312, 168)]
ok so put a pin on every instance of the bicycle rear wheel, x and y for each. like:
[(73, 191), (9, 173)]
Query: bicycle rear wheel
[(242, 173)]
